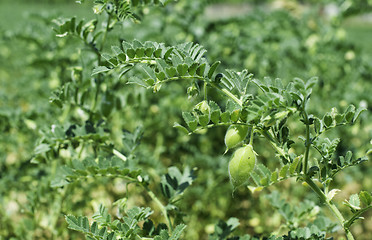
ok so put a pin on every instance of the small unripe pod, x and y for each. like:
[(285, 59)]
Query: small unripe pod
[(235, 135), (241, 165)]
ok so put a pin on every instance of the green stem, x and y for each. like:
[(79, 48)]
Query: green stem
[(216, 125), (330, 205), (142, 238), (273, 143), (205, 91), (307, 142), (99, 61), (227, 93), (307, 148), (106, 31), (182, 78), (94, 104), (95, 51), (81, 149), (223, 90), (232, 96), (66, 112), (146, 60), (251, 137), (356, 216), (162, 208)]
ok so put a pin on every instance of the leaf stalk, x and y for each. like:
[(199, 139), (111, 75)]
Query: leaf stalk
[(161, 206), (330, 205), (307, 141)]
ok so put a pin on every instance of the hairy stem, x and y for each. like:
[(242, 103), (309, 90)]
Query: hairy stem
[(307, 141), (356, 216), (81, 149), (223, 90), (330, 205), (205, 91), (143, 238), (94, 104), (228, 93), (232, 96), (106, 31), (162, 208), (213, 125), (274, 144), (251, 136)]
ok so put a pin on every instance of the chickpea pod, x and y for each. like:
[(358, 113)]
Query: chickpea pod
[(241, 165), (235, 135)]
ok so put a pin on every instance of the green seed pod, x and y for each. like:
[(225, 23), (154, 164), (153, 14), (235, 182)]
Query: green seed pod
[(241, 165), (235, 135)]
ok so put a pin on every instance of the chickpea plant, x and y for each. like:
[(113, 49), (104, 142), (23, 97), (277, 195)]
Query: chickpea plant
[(250, 108)]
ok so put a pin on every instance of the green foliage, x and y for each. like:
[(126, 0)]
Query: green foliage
[(127, 227), (224, 229), (174, 183), (90, 168), (116, 83)]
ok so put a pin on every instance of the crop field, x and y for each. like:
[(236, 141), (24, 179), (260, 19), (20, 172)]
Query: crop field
[(188, 119)]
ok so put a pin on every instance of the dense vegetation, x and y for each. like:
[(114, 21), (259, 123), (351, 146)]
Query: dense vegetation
[(176, 120)]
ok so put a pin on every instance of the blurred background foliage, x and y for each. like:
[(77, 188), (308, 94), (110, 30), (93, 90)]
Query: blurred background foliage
[(276, 39)]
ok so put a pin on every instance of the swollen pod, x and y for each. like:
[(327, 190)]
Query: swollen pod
[(241, 165)]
